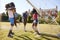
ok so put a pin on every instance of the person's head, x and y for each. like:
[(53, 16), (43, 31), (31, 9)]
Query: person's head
[(34, 11), (25, 11), (10, 6)]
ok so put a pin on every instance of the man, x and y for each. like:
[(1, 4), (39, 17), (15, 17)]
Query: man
[(9, 8), (25, 20)]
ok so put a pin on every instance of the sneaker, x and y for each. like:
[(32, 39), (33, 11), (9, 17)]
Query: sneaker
[(10, 35), (38, 33), (38, 36)]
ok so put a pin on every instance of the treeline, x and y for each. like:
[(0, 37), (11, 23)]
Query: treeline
[(5, 18)]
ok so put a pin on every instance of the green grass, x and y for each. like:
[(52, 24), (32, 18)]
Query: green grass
[(21, 35), (47, 32)]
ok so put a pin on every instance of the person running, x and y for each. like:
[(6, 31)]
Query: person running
[(25, 20), (9, 8), (35, 21)]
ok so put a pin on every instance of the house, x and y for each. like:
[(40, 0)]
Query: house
[(49, 12)]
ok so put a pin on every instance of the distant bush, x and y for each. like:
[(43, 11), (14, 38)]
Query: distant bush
[(58, 19), (29, 19), (4, 17), (41, 21)]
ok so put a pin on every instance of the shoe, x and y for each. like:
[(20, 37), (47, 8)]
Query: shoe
[(37, 32), (38, 36), (10, 35)]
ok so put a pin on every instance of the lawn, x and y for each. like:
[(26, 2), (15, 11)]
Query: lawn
[(47, 31)]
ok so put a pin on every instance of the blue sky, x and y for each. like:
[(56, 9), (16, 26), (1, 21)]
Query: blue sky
[(22, 5)]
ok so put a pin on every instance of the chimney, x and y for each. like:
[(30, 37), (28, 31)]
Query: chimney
[(56, 7)]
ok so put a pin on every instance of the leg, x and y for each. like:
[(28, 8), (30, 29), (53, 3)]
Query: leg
[(36, 30), (15, 22), (25, 22), (12, 24), (10, 32), (33, 26)]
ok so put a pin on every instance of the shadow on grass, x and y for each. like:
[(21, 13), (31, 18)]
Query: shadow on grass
[(43, 35), (37, 38), (27, 37), (46, 38), (49, 35), (16, 39), (23, 37)]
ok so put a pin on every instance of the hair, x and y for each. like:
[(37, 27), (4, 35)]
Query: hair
[(7, 6), (10, 5), (34, 11)]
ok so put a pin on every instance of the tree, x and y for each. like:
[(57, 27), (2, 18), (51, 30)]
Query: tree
[(4, 17)]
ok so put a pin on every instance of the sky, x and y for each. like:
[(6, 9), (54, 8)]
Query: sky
[(23, 5)]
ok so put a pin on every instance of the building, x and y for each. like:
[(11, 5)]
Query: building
[(49, 12)]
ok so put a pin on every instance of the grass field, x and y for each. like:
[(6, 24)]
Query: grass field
[(48, 32)]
